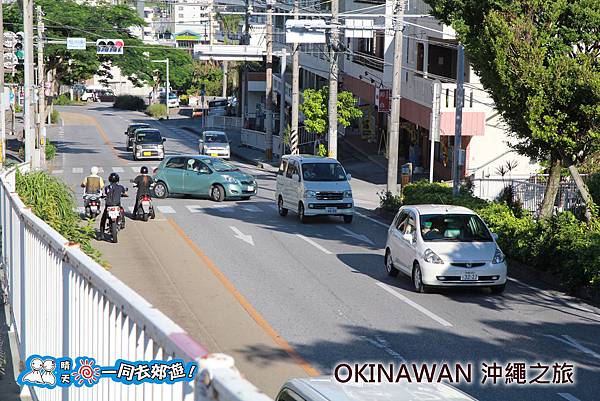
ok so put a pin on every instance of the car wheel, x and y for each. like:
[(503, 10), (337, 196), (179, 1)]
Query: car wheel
[(348, 219), (301, 215), (417, 277), (282, 211), (160, 190), (498, 289), (389, 265), (217, 193)]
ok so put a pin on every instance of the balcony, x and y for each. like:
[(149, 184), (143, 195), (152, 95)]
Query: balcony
[(368, 60)]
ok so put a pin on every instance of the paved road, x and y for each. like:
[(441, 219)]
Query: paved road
[(323, 287)]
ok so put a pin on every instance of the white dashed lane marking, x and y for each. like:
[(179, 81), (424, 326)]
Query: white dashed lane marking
[(166, 209), (118, 170), (77, 170)]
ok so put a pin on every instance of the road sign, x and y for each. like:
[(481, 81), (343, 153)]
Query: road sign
[(10, 39), (75, 43), (10, 60), (383, 100), (305, 31), (109, 46)]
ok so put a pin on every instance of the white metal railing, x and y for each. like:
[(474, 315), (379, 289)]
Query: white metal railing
[(62, 303), (258, 140), (224, 122)]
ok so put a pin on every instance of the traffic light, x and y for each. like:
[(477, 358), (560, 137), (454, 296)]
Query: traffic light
[(109, 46), (18, 47)]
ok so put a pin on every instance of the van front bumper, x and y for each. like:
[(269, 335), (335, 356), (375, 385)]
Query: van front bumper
[(314, 207)]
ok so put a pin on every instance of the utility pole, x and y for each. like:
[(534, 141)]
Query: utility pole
[(333, 79), (244, 85), (28, 110), (282, 66), (295, 89), (460, 96), (269, 85), (41, 87), (392, 178), (434, 130), (225, 72), (3, 106)]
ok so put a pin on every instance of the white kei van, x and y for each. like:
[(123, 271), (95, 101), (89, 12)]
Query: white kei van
[(313, 186)]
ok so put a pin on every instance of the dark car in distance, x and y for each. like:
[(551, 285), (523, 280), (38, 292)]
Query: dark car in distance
[(131, 131)]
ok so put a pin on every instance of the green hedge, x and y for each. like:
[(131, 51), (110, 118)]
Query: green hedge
[(129, 102), (50, 150), (54, 117), (563, 245), (52, 201), (157, 110)]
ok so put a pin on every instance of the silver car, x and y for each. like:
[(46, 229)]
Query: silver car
[(215, 144)]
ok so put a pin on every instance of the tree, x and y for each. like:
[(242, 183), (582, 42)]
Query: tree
[(539, 59), (315, 109), (66, 18)]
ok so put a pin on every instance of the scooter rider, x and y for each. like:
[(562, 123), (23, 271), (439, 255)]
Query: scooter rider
[(93, 183), (143, 183), (114, 191)]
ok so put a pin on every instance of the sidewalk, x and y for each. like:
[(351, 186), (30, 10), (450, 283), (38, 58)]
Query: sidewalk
[(368, 178)]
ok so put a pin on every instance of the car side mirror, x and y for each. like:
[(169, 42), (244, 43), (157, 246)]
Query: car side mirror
[(296, 177), (164, 139), (408, 237), (348, 177), (495, 236)]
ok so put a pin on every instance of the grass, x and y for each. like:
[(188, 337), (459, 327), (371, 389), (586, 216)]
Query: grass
[(50, 150)]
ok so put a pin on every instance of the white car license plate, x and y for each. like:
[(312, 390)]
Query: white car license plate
[(113, 213), (469, 276), (331, 210), (93, 208), (250, 188), (145, 206)]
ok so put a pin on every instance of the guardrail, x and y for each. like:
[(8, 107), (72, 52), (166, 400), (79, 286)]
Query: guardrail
[(223, 122), (258, 140), (62, 303)]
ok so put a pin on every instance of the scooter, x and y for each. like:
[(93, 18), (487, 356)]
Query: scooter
[(145, 208), (116, 220), (91, 202)]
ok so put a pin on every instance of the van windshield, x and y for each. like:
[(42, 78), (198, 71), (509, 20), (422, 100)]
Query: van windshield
[(149, 137), (215, 138), (323, 172)]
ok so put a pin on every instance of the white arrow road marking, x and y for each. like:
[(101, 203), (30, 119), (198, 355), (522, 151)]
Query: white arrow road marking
[(118, 169), (381, 343), (77, 170), (57, 171), (166, 209), (359, 237), (238, 234), (415, 305), (569, 397), (372, 220), (573, 343), (313, 243)]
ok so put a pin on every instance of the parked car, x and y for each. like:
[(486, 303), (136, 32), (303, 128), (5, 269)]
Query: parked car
[(215, 144), (218, 107), (202, 176), (313, 186), (98, 94), (173, 99), (324, 388), (441, 245), (130, 131), (148, 143)]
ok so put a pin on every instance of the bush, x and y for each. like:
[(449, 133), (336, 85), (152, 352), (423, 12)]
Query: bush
[(62, 100), (157, 110), (184, 100), (593, 183), (50, 150), (18, 108), (389, 202), (423, 192), (129, 102), (52, 201), (54, 117)]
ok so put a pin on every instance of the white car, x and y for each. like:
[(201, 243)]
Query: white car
[(215, 144), (326, 389), (441, 245), (313, 186)]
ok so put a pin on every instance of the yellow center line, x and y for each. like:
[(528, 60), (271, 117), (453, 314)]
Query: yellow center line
[(254, 314)]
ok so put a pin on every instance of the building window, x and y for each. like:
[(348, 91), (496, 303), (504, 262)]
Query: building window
[(420, 56), (370, 52)]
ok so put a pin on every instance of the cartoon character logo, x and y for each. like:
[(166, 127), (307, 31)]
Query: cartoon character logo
[(39, 372)]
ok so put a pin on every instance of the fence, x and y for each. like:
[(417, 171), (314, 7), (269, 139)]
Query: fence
[(528, 191), (258, 140), (62, 303), (223, 122)]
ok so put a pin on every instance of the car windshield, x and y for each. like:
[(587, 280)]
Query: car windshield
[(219, 165), (215, 138), (454, 227), (323, 172), (149, 137)]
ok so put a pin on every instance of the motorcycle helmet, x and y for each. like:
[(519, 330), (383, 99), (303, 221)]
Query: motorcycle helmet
[(113, 178), (94, 170), (144, 170)]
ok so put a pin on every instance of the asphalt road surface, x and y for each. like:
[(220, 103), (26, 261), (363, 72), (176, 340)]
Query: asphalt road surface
[(323, 287)]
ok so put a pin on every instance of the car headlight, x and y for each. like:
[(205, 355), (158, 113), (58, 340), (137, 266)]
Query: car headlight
[(347, 194), (310, 194), (138, 147), (432, 257), (498, 257), (230, 179)]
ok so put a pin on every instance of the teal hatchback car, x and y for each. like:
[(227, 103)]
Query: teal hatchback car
[(202, 176)]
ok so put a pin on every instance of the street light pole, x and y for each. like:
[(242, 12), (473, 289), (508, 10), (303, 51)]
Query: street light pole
[(168, 84)]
